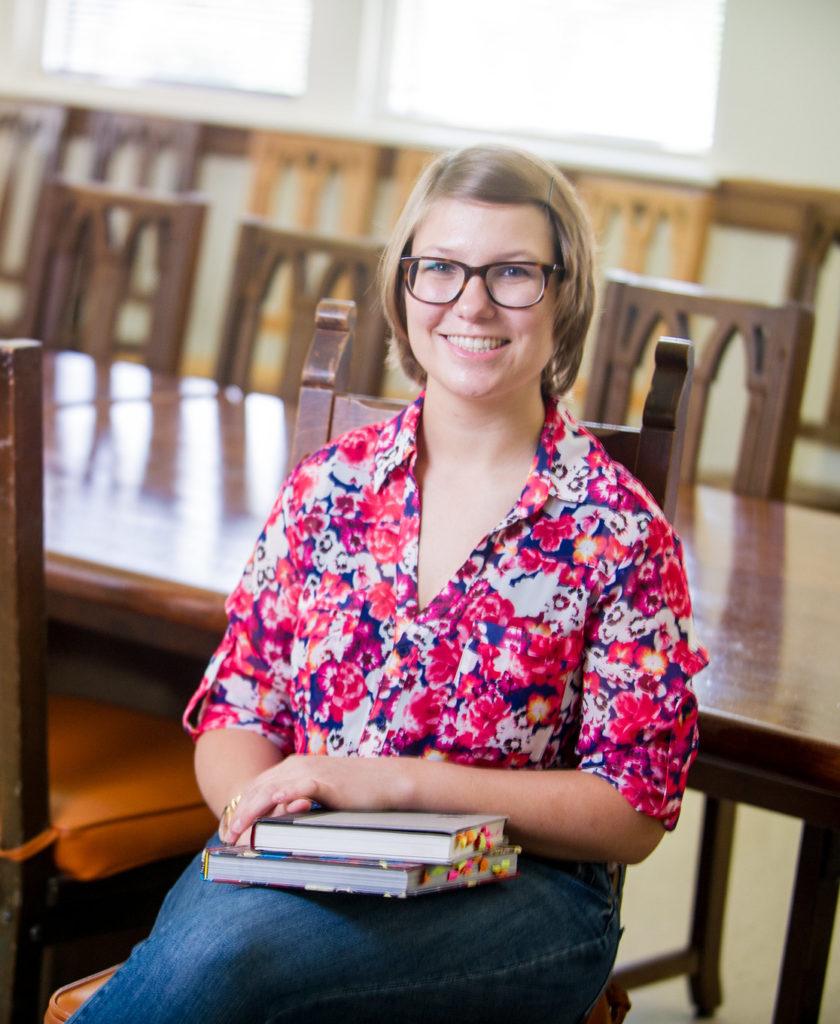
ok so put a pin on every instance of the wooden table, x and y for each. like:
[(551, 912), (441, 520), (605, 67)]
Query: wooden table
[(156, 491)]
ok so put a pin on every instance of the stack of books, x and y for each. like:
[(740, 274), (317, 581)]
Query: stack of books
[(374, 852)]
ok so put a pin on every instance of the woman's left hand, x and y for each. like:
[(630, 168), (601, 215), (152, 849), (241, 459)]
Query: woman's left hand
[(345, 783)]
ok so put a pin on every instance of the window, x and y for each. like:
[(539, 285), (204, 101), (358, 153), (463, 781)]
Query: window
[(230, 44), (643, 71)]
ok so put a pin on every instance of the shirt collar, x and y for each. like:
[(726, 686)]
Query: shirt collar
[(396, 442), (561, 467)]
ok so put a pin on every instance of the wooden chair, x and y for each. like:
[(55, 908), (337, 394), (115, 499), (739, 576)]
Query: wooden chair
[(86, 252), (409, 164), (99, 809), (777, 343), (325, 410), (640, 210), (31, 136), (810, 218), (317, 267), (153, 142), (310, 168)]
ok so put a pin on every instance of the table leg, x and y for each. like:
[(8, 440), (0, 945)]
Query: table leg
[(710, 903), (810, 925)]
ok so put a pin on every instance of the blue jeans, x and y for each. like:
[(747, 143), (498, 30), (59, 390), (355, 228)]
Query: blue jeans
[(535, 948)]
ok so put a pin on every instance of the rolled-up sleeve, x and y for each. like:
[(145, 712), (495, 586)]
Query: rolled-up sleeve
[(247, 682), (639, 710)]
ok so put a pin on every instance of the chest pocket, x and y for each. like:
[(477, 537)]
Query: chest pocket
[(509, 694)]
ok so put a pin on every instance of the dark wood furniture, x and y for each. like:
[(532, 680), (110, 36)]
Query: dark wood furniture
[(777, 344), (153, 145), (87, 254), (33, 134), (810, 218), (317, 267), (99, 808), (132, 483)]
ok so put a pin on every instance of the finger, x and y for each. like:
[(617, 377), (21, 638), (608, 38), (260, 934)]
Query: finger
[(256, 802), (245, 838), (300, 806), (298, 789)]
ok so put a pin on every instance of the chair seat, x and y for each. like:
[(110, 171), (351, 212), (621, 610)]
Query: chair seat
[(65, 1001), (146, 807)]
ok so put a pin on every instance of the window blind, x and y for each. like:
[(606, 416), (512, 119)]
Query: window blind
[(231, 44), (644, 71)]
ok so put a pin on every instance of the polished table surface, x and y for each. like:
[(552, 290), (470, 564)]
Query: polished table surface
[(157, 487)]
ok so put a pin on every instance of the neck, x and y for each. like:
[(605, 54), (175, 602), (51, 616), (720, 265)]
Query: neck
[(480, 435)]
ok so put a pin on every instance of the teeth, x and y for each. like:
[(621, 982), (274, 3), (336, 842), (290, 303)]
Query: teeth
[(475, 344)]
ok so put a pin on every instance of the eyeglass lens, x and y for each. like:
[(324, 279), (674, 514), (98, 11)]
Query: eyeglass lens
[(509, 284)]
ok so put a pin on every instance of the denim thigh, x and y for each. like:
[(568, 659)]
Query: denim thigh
[(536, 948)]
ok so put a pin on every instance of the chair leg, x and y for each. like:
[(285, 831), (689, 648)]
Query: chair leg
[(710, 903), (810, 926), (21, 947)]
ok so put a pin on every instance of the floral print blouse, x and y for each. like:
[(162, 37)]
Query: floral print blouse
[(564, 641)]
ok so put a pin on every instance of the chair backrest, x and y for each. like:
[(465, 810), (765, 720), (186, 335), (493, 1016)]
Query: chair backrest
[(318, 266), (23, 755), (87, 250), (152, 140), (640, 210), (409, 164), (307, 168), (31, 138), (651, 452), (777, 342)]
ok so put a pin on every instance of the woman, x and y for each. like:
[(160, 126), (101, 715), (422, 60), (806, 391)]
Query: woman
[(471, 588)]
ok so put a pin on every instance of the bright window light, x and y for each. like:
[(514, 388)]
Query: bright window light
[(251, 45), (640, 71)]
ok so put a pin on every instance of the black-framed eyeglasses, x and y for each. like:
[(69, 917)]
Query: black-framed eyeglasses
[(516, 284)]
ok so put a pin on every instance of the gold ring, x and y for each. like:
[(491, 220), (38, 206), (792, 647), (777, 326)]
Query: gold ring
[(227, 813)]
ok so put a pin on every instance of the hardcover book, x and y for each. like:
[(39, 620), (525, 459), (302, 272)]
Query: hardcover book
[(238, 864), (396, 835)]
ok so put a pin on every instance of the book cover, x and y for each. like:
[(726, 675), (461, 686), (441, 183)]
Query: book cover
[(240, 865), (416, 836)]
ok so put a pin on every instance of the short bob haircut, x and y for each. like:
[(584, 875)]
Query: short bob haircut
[(498, 174)]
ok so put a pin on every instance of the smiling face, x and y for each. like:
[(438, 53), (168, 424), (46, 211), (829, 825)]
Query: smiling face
[(472, 348)]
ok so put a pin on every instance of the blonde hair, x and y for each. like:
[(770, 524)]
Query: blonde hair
[(498, 174)]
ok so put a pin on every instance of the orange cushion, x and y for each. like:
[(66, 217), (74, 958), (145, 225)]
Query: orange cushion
[(64, 1002), (122, 788)]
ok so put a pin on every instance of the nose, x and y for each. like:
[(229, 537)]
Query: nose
[(474, 302)]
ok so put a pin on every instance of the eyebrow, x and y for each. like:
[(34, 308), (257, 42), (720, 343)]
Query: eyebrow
[(514, 256)]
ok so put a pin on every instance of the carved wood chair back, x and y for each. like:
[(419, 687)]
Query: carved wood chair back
[(639, 210), (311, 171), (157, 144), (317, 267), (776, 343), (87, 254), (408, 165), (31, 139)]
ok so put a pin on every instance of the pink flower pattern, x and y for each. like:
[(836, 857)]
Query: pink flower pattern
[(564, 641)]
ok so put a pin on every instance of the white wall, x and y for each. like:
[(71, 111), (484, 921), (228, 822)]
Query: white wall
[(779, 92)]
